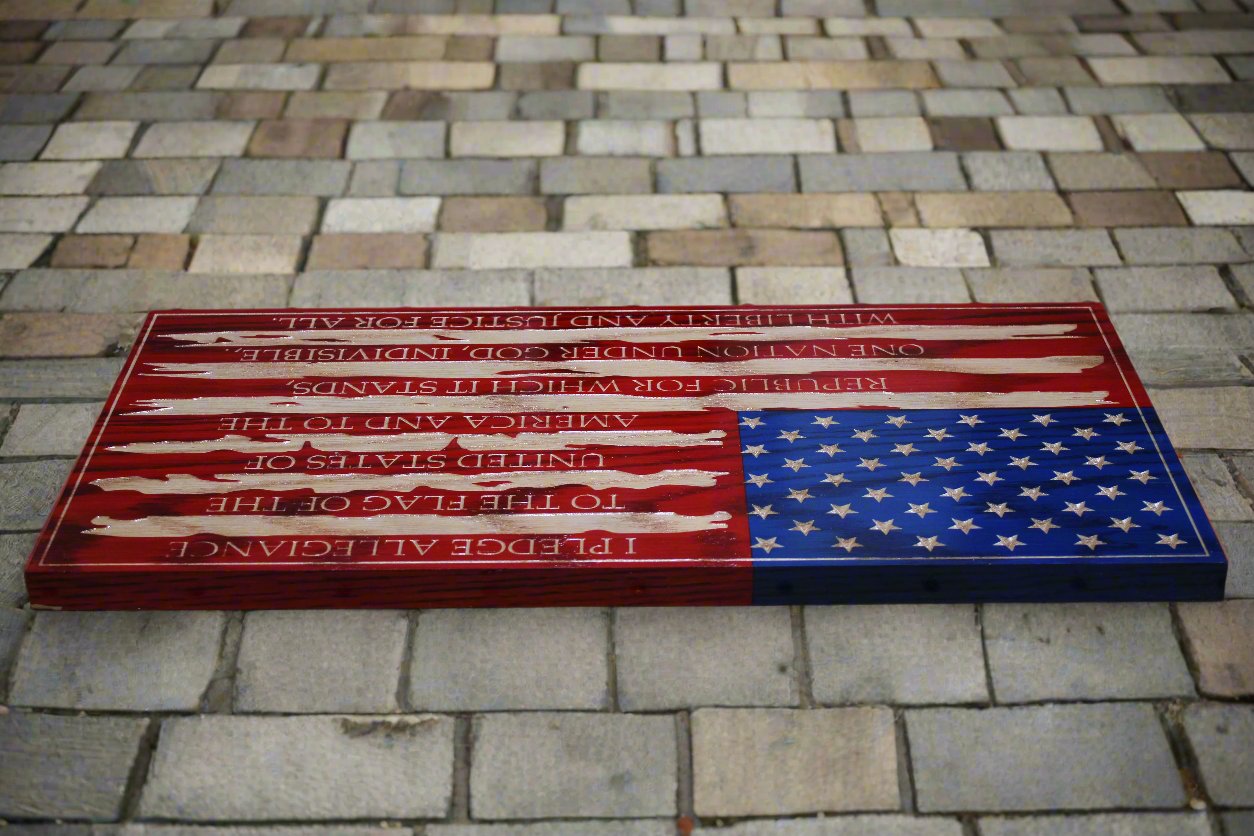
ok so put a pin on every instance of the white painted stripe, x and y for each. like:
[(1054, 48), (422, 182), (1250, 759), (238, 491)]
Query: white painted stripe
[(326, 483), (405, 525), (459, 369)]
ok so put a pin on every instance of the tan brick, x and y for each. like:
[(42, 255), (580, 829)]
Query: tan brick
[(1135, 208), (331, 105), (1191, 169), (746, 247), (1218, 639), (898, 208), (62, 334), (493, 214), (804, 211), (250, 104), (469, 48), (1218, 417), (424, 75), (384, 251), (275, 27), (519, 24), (140, 9), (342, 50), (830, 75), (160, 252), (246, 254), (322, 138), (992, 209), (92, 251)]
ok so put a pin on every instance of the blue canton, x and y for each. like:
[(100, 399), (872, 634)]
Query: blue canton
[(1000, 483)]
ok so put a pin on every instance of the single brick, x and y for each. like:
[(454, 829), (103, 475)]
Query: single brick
[(367, 252), (393, 140), (332, 105), (992, 209), (492, 660), (66, 767), (1217, 637), (1207, 418), (1028, 284), (492, 214), (766, 136), (92, 251), (246, 254), (219, 767), (748, 247), (763, 761), (121, 661), (381, 214), (1049, 133), (1190, 169), (644, 212), (830, 75), (159, 252), (666, 286), (155, 177), (625, 138), (1053, 248), (83, 378), (1127, 208), (282, 177), (1007, 758), (22, 142), (261, 77), (42, 334), (728, 656), (47, 178), (14, 550), (484, 251), (1099, 172), (94, 141), (650, 76), (298, 138), (735, 174), (892, 134), (27, 489), (578, 765), (908, 171), (1157, 132), (792, 286), (466, 177), (40, 214), (138, 214), (1158, 70), (50, 429), (425, 288), (20, 251), (1224, 207), (1142, 824), (620, 827), (1083, 652), (1214, 484), (894, 654), (807, 211), (1007, 171), (1189, 287), (195, 139), (939, 247), (570, 175), (507, 139), (1223, 741), (253, 215)]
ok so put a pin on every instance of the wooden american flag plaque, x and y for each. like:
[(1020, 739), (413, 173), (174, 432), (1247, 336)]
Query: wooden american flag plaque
[(592, 456)]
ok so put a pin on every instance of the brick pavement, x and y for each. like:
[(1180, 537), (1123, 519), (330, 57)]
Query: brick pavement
[(262, 153)]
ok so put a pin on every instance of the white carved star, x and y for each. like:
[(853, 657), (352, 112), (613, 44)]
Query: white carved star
[(1053, 447), (928, 543), (1014, 434), (754, 450), (878, 494), (1066, 478), (836, 479), (969, 420), (990, 477), (864, 435), (913, 478), (804, 528), (1012, 542), (800, 495), (1117, 418), (1078, 508), (790, 435), (1085, 433), (842, 511), (897, 421), (980, 448), (869, 464), (1001, 509), (1032, 493), (1142, 476), (885, 526), (795, 464), (1023, 463), (1172, 540), (949, 463), (1125, 525), (1111, 493), (965, 526), (767, 544), (904, 449), (956, 494), (1129, 446), (848, 543), (920, 511), (759, 479), (1155, 508), (751, 422), (1096, 461), (1046, 525), (939, 435), (1044, 420), (825, 421), (763, 511), (1091, 542), (830, 449)]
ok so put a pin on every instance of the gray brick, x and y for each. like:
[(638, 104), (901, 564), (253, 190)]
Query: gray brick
[(14, 549), (1108, 824), (1187, 288), (36, 109), (1238, 543), (375, 178), (149, 107), (867, 247), (283, 177), (964, 103), (320, 661), (50, 429), (1186, 331), (871, 103), (735, 174), (78, 378), (1238, 822), (642, 286), (721, 104), (576, 765), (881, 825), (895, 654), (886, 285), (1007, 171), (154, 177), (644, 104), (493, 660), (1053, 247), (728, 656), (1213, 482), (65, 767), (394, 288), (1007, 758), (22, 142), (362, 767), (27, 490), (1037, 101), (1083, 652), (761, 761), (1223, 741), (1093, 100), (1169, 245), (1030, 284), (912, 171), (595, 175), (556, 828), (1217, 417), (556, 104), (255, 215), (12, 629), (118, 660), (440, 177), (165, 51), (104, 291), (792, 286)]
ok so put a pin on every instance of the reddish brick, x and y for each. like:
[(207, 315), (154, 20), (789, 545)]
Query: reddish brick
[(299, 138), (1135, 208), (160, 252), (275, 27), (92, 251), (367, 252), (1191, 169)]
